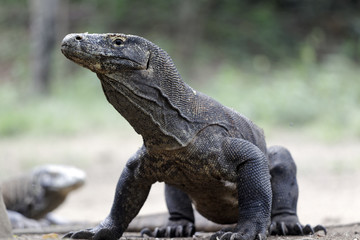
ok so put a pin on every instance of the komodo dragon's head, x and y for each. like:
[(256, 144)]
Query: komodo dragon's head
[(107, 53), (58, 178)]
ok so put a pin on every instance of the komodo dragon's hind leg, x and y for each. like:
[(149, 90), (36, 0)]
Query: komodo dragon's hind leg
[(181, 220), (284, 219)]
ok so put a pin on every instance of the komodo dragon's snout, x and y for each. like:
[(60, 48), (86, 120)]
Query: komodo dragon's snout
[(114, 52)]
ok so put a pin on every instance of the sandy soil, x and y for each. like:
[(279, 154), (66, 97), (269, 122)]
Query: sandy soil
[(328, 173)]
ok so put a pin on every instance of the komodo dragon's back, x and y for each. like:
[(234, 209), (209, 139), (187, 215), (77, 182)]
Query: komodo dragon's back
[(238, 126), (206, 153)]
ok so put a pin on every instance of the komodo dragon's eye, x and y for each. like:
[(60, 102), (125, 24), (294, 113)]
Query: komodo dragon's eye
[(118, 42)]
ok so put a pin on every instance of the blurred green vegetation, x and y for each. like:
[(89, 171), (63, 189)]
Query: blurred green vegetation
[(323, 100), (285, 64), (75, 105)]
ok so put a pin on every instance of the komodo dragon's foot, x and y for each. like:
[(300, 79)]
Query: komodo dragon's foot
[(181, 228), (245, 231), (290, 225), (105, 230)]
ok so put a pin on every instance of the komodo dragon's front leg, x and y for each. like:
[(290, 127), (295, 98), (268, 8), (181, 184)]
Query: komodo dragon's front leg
[(254, 191), (131, 192)]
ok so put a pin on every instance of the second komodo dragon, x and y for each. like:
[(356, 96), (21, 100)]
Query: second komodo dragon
[(32, 196), (207, 154)]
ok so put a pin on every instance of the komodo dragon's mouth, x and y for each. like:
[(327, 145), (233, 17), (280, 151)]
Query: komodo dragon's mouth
[(92, 61)]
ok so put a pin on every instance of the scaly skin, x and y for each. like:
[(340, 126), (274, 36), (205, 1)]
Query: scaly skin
[(206, 153)]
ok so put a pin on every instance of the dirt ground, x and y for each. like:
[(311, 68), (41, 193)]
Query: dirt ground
[(344, 232), (328, 174)]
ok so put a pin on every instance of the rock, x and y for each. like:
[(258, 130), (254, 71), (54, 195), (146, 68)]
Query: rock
[(5, 228)]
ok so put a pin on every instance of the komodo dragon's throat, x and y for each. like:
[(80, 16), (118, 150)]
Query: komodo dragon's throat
[(207, 154)]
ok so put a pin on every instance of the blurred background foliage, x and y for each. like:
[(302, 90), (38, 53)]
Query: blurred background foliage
[(286, 64)]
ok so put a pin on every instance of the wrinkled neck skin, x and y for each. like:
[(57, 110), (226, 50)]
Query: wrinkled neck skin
[(154, 101)]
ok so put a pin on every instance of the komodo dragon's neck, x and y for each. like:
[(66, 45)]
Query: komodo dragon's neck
[(157, 103)]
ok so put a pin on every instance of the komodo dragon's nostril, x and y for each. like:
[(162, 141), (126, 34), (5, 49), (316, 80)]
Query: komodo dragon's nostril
[(78, 38)]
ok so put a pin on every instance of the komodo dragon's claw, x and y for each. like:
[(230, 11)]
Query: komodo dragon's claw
[(284, 229), (79, 235), (187, 230), (145, 231), (298, 228), (308, 229), (318, 228)]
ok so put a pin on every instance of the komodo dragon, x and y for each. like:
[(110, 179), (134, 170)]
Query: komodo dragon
[(207, 154), (30, 197)]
